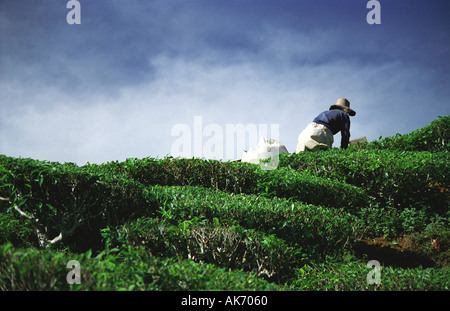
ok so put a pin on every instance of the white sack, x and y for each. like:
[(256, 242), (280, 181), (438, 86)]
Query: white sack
[(264, 150)]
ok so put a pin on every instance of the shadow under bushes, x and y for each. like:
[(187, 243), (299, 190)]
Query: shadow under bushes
[(391, 256)]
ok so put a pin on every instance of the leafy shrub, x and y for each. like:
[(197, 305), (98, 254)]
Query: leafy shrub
[(230, 247), (226, 176), (243, 178), (62, 199), (191, 224), (16, 230), (397, 178), (378, 221), (345, 276), (316, 231), (434, 137), (116, 269), (390, 222), (434, 241), (303, 186)]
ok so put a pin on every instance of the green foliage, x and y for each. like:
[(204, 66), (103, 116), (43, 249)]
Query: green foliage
[(117, 269), (192, 224), (434, 241), (231, 247), (305, 187), (16, 230), (346, 276), (243, 178), (315, 230), (65, 199), (434, 137), (395, 178)]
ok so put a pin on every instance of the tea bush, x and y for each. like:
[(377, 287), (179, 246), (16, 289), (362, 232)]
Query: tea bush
[(116, 269), (346, 276), (434, 137), (243, 178), (66, 198), (317, 231), (194, 224), (231, 247), (396, 178), (62, 199)]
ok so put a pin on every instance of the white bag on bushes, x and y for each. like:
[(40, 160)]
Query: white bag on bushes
[(264, 150)]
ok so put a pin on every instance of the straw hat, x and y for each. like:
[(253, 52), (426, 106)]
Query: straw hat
[(343, 104)]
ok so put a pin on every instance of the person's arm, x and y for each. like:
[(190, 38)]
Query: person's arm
[(345, 133)]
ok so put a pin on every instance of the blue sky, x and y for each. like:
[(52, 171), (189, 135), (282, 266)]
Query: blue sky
[(114, 86)]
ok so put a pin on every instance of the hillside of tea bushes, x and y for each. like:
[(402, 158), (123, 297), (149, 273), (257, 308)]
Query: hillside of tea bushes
[(193, 224)]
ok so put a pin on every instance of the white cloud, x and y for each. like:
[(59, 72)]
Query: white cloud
[(138, 122), (62, 110)]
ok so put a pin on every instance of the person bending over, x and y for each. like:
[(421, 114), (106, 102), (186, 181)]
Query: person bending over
[(319, 134)]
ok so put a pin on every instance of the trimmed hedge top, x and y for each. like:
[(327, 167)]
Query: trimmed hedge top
[(269, 223)]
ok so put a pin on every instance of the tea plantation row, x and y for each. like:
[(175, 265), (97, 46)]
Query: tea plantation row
[(192, 224)]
